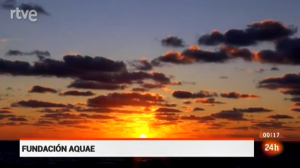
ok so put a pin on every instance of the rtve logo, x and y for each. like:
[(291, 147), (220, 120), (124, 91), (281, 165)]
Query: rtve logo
[(24, 14)]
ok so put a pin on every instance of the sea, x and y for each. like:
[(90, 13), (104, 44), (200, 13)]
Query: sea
[(290, 158)]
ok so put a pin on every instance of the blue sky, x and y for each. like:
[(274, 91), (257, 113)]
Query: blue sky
[(129, 29)]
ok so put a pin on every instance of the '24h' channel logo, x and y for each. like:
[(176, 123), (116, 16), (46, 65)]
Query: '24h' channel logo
[(24, 14)]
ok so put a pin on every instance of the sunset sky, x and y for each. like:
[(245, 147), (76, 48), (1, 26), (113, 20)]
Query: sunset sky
[(163, 69)]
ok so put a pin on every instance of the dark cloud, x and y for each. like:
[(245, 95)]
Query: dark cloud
[(5, 116), (126, 99), (58, 110), (13, 124), (162, 109), (77, 93), (173, 41), (214, 38), (32, 53), (197, 109), (288, 81), (268, 56), (71, 116), (59, 116), (229, 115), (187, 102), (189, 95), (83, 67), (238, 114), (235, 52), (98, 116), (192, 55), (42, 122), (296, 109), (95, 110), (74, 122), (106, 110), (139, 89), (251, 110), (8, 4), (152, 85), (142, 65), (167, 117), (269, 125), (12, 4), (6, 108), (294, 92), (85, 84), (206, 118), (20, 119), (93, 63), (254, 33), (286, 52), (41, 89), (213, 125), (4, 112), (38, 104), (70, 67), (148, 86), (167, 105), (166, 113), (127, 77), (295, 99), (237, 38), (235, 95), (174, 57), (279, 116), (191, 117), (270, 30), (209, 101), (36, 7), (274, 69)]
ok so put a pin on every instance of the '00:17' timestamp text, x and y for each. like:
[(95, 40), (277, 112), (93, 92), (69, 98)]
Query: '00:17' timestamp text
[(270, 135)]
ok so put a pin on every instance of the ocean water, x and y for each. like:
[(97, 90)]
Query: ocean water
[(9, 157)]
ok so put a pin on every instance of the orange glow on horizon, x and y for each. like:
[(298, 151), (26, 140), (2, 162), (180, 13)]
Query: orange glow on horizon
[(144, 59), (194, 48), (215, 32)]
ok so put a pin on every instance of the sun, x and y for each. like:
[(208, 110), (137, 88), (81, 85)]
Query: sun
[(143, 136)]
